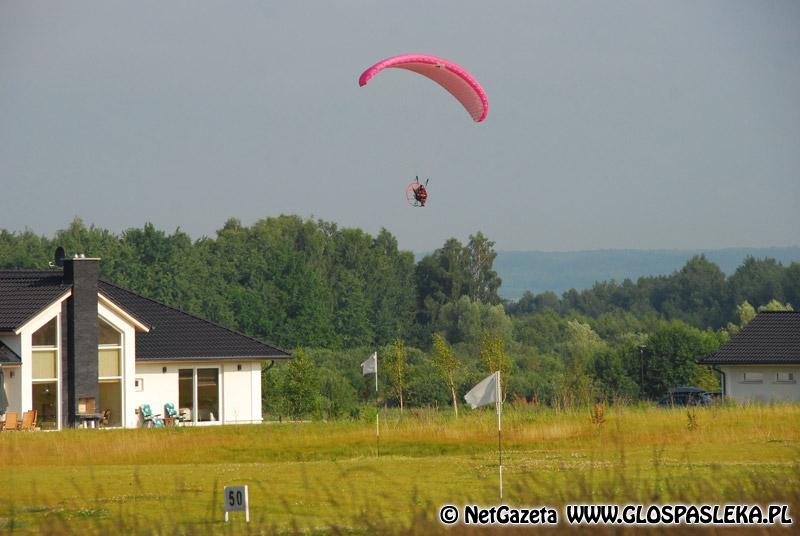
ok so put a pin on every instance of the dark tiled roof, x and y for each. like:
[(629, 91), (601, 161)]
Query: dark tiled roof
[(8, 356), (177, 335), (770, 338), (24, 293)]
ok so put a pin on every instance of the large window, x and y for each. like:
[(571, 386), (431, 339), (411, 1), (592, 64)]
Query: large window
[(109, 372), (109, 351), (208, 394), (198, 394), (44, 373), (46, 335), (45, 402), (45, 352), (186, 393)]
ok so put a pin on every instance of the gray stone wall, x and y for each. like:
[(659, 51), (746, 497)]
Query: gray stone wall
[(81, 323)]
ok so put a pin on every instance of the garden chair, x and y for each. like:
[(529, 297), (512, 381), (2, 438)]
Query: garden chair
[(150, 419), (11, 422), (171, 415), (29, 421)]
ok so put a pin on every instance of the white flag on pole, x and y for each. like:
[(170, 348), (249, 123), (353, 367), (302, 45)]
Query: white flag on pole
[(370, 366), (486, 392)]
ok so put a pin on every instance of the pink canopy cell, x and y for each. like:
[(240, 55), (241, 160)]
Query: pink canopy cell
[(451, 76)]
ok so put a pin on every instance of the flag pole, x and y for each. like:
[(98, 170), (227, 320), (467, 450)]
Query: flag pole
[(499, 432), (377, 413)]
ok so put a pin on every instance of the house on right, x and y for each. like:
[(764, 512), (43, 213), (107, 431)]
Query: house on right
[(761, 362)]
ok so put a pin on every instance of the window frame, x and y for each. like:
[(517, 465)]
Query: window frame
[(753, 379), (120, 352), (58, 369), (49, 349), (789, 379), (195, 401)]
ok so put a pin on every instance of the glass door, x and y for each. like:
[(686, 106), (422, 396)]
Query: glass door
[(186, 394), (208, 394), (199, 394)]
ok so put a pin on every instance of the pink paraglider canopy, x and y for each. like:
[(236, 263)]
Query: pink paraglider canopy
[(447, 74)]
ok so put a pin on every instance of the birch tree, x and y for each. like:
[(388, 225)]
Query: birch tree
[(494, 358), (396, 362), (447, 365)]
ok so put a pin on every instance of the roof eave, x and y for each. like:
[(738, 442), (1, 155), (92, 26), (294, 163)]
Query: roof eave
[(790, 361), (111, 304), (212, 358), (18, 329)]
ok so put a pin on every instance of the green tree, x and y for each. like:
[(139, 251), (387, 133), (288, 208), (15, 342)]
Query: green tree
[(447, 365), (494, 358), (301, 385), (338, 396), (791, 283), (672, 354), (581, 343), (351, 321), (580, 346), (775, 305), (465, 320), (272, 395), (745, 313), (543, 331), (453, 271), (757, 281), (391, 289), (396, 362), (610, 371), (484, 281), (695, 294)]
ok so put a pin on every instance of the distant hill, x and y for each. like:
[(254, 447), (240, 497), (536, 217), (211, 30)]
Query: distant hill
[(539, 271)]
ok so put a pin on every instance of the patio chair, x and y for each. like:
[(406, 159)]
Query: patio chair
[(106, 417), (11, 422), (29, 421), (153, 420), (171, 415)]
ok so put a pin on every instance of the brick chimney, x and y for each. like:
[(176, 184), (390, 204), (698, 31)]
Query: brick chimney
[(80, 359)]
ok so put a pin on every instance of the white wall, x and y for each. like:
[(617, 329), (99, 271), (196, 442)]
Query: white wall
[(13, 388), (159, 387), (768, 390), (240, 399), (241, 391), (12, 385)]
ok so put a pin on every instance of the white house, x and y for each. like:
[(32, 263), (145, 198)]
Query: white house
[(762, 361), (73, 346)]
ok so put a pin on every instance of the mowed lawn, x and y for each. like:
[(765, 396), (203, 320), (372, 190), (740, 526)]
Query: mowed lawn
[(318, 476)]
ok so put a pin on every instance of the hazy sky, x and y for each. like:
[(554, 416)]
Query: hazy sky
[(611, 124)]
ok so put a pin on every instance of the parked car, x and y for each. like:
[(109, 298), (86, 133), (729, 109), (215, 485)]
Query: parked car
[(686, 396)]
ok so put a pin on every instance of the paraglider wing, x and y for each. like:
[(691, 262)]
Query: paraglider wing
[(451, 76)]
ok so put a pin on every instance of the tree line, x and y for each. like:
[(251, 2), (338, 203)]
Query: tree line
[(334, 295)]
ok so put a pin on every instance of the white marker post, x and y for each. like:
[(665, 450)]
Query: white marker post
[(499, 408), (370, 366), (235, 498), (377, 413)]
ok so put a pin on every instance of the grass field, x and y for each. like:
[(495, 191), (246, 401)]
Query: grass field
[(323, 477)]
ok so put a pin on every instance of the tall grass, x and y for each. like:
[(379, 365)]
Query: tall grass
[(326, 476)]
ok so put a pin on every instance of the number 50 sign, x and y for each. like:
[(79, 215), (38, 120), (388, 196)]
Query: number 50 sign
[(236, 501)]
